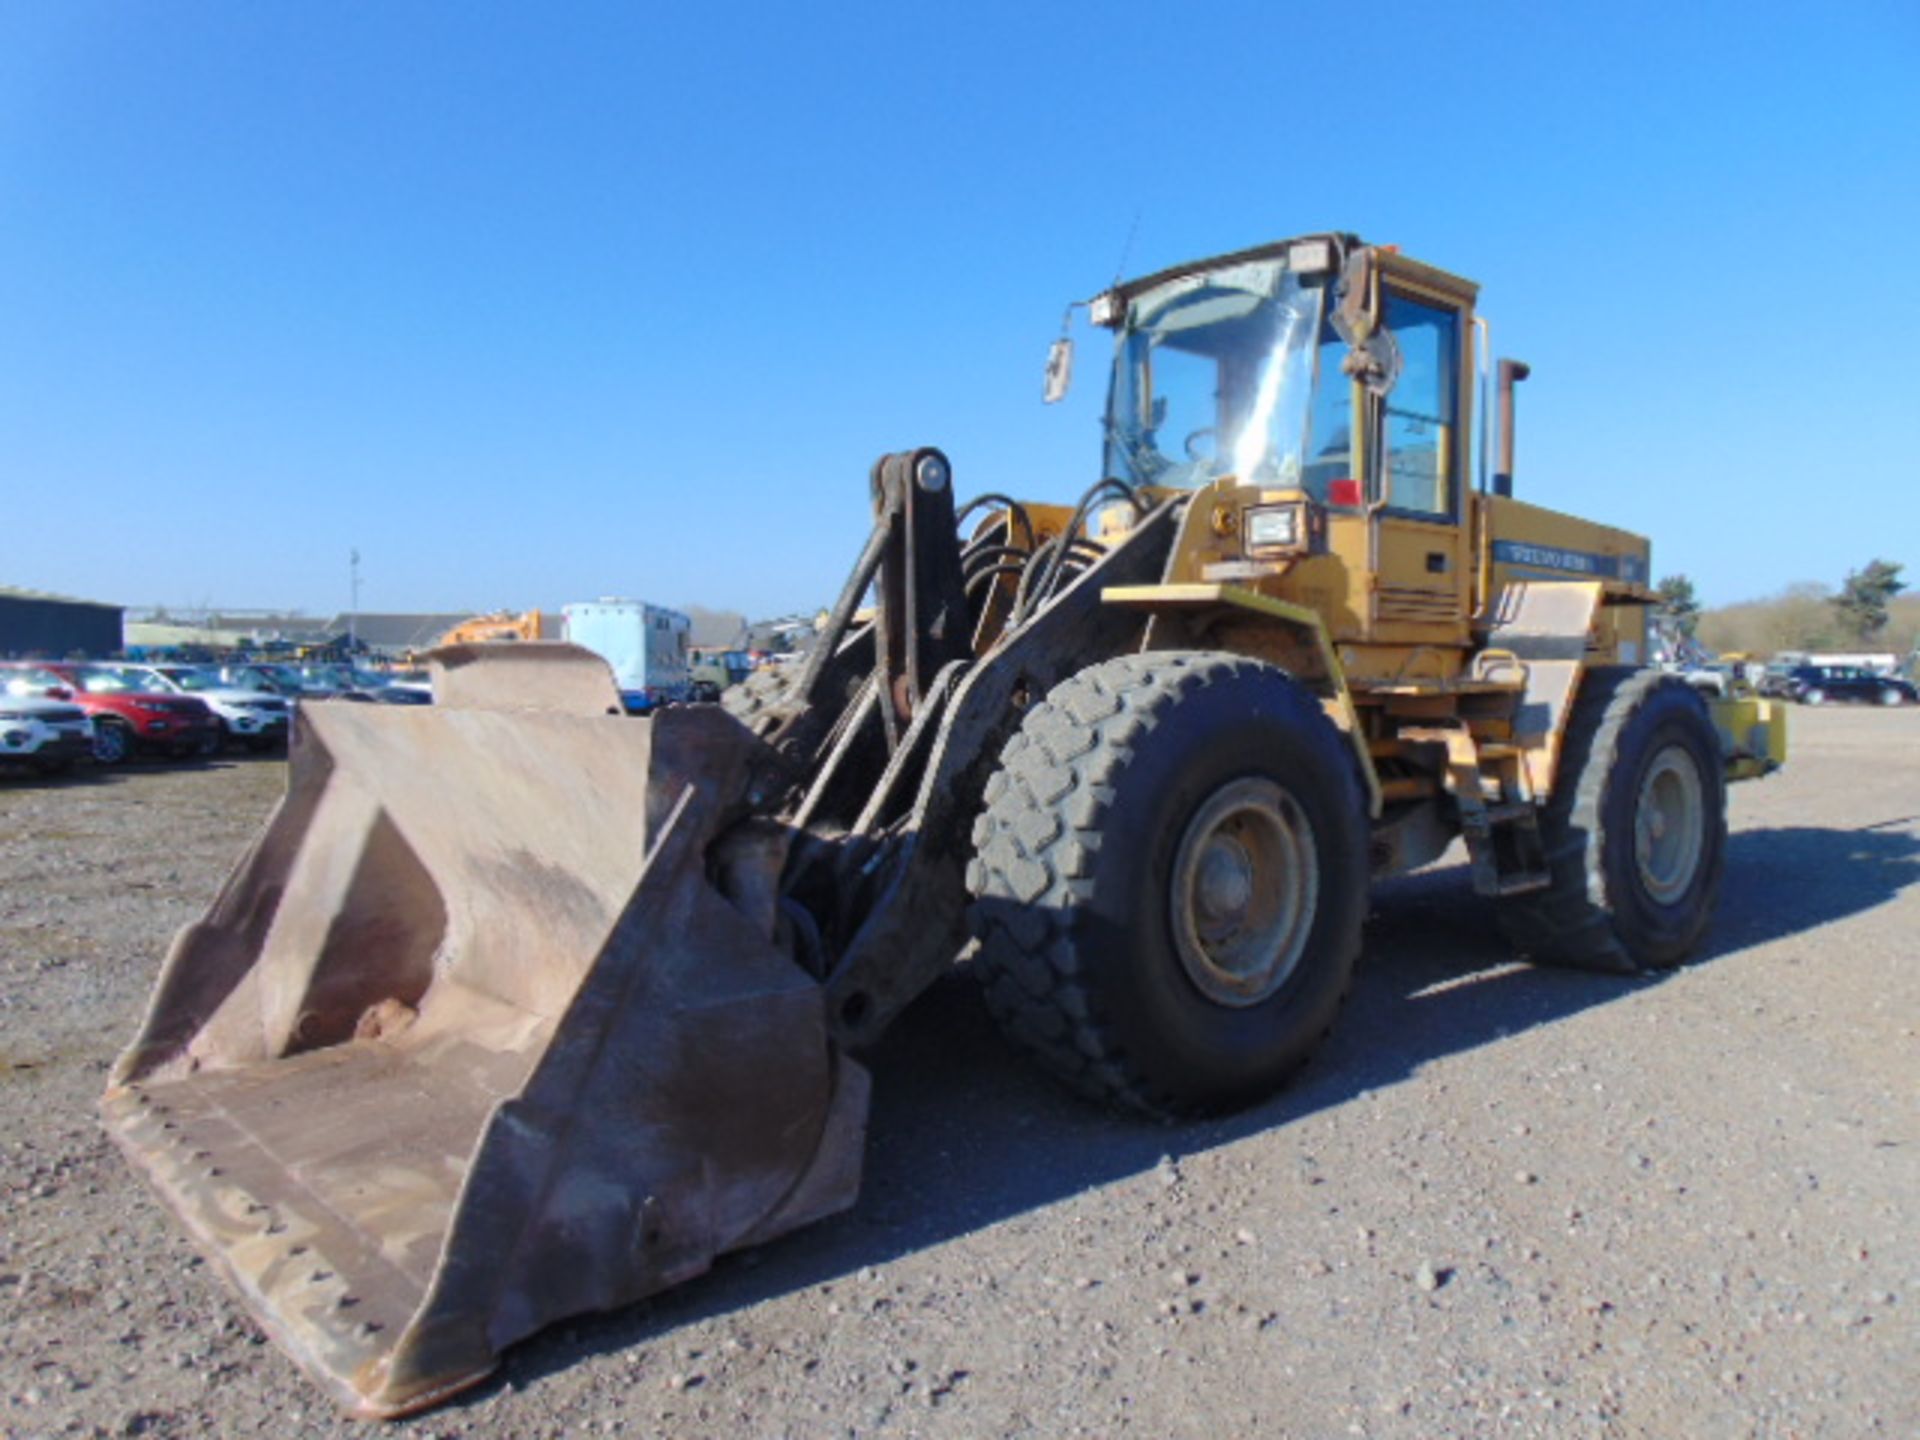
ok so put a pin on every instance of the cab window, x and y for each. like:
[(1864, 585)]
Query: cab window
[(1419, 410), (1330, 421)]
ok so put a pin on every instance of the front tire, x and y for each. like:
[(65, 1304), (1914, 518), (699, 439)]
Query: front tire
[(1635, 830), (112, 742), (1169, 881), (1815, 696)]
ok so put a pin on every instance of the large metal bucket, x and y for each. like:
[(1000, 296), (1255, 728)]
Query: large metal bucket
[(472, 1039)]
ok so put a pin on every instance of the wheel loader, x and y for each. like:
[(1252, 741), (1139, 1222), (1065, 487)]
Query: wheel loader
[(519, 1007)]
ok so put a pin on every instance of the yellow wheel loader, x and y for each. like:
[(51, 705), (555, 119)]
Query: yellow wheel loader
[(519, 1007)]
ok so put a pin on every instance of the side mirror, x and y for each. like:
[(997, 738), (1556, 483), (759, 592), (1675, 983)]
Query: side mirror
[(58, 692), (1059, 370)]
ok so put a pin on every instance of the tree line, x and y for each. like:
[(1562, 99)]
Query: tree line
[(1866, 612)]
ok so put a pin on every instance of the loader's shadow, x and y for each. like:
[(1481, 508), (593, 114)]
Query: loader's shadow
[(965, 1132)]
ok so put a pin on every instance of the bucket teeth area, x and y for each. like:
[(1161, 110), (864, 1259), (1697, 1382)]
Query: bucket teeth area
[(472, 1041), (329, 1217)]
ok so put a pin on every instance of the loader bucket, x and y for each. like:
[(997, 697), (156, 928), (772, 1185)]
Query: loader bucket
[(472, 1039)]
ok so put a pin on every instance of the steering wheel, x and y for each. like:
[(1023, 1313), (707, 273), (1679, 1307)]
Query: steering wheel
[(1195, 438)]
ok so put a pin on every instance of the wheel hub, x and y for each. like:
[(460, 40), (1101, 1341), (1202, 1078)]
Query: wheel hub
[(1670, 824), (1244, 889), (1226, 882)]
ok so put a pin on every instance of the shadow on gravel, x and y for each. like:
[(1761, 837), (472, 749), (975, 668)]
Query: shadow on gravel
[(966, 1133), (1791, 880), (81, 777), (89, 776)]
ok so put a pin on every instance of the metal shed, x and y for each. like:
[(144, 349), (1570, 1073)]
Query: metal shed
[(36, 625)]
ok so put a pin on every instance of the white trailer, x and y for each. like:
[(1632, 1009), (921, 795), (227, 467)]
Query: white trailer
[(647, 646)]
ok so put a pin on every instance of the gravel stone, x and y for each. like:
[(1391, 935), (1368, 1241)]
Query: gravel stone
[(1033, 1275)]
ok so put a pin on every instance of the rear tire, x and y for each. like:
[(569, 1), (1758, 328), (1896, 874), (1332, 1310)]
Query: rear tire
[(1635, 831), (1169, 881)]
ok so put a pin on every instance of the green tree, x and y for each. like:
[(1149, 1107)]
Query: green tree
[(1863, 599), (1676, 606), (1803, 619)]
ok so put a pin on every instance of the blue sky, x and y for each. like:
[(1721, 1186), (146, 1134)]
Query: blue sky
[(533, 304)]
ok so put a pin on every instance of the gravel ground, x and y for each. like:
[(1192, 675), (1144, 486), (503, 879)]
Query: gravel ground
[(1503, 1201)]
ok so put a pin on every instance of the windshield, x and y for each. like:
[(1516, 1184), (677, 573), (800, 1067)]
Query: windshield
[(32, 682), (1215, 376), (101, 681), (192, 679)]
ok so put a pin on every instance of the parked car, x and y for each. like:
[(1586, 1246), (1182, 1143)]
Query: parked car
[(329, 682), (391, 690), (1817, 684), (255, 718), (281, 680), (407, 687), (1708, 679), (41, 727), (346, 682), (130, 720)]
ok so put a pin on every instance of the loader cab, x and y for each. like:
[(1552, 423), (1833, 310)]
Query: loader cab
[(1319, 366), (1218, 373)]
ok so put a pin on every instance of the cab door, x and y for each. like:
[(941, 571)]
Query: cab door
[(1417, 470)]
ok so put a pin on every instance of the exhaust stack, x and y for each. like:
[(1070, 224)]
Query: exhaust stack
[(1512, 372)]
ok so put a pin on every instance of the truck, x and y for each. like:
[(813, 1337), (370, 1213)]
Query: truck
[(519, 1008), (716, 670), (647, 647)]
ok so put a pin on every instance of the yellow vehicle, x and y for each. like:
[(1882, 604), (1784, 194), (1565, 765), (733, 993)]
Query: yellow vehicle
[(520, 1008), (496, 626)]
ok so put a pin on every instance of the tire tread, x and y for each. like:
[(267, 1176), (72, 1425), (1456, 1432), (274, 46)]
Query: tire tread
[(1569, 924), (1036, 841)]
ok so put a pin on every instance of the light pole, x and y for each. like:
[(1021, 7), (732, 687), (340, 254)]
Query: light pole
[(353, 585)]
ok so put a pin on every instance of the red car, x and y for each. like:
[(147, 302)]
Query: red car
[(125, 720)]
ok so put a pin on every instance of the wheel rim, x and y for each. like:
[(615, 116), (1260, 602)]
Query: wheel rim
[(109, 745), (1669, 824), (1814, 697), (1245, 885), (1889, 697)]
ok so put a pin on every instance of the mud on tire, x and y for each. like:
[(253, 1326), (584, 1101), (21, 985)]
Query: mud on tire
[(1137, 805)]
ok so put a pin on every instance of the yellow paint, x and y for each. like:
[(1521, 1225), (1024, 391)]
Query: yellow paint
[(1753, 734)]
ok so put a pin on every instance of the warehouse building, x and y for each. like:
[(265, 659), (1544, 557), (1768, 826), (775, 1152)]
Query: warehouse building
[(38, 626), (394, 636)]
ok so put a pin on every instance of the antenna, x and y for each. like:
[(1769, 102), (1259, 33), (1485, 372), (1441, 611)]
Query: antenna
[(1126, 250)]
